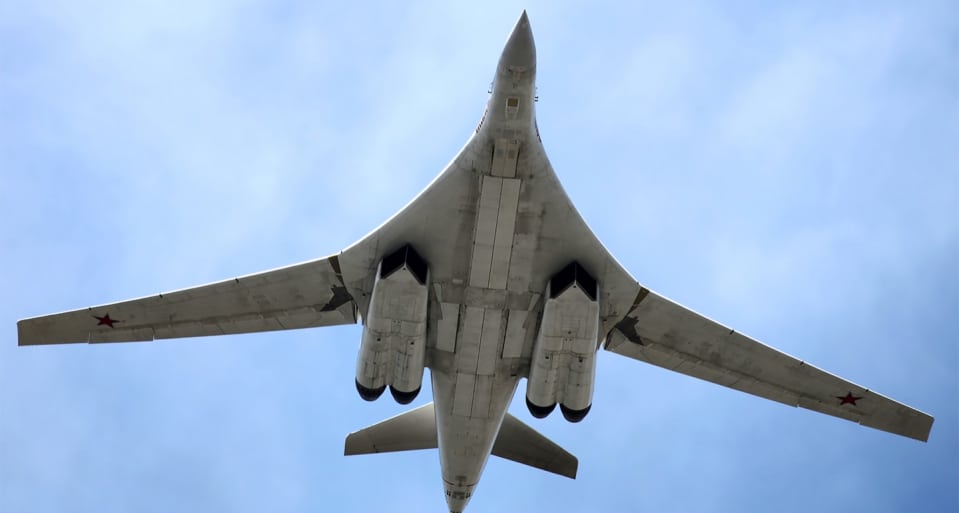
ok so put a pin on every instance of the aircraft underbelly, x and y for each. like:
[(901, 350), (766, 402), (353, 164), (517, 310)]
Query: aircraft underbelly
[(492, 243), (494, 227), (465, 440), (471, 397), (481, 331)]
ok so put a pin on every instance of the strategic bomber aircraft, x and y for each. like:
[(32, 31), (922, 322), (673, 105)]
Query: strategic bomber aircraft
[(488, 276)]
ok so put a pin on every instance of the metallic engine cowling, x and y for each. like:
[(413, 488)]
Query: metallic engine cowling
[(393, 349), (563, 360)]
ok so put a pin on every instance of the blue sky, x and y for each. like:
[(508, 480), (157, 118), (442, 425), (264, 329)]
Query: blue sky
[(789, 170)]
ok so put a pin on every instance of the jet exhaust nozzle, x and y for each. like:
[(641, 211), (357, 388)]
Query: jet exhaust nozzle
[(404, 397), (540, 412), (369, 394), (574, 415)]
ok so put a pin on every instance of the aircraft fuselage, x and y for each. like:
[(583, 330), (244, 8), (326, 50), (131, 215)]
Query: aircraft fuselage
[(473, 387)]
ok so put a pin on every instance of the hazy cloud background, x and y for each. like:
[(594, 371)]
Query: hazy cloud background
[(790, 170)]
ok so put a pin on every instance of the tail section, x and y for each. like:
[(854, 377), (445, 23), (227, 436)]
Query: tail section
[(409, 431), (416, 429), (520, 443)]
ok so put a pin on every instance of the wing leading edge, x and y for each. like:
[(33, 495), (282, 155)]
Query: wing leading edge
[(669, 335), (299, 296)]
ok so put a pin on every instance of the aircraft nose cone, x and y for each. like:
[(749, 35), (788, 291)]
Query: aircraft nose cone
[(520, 51)]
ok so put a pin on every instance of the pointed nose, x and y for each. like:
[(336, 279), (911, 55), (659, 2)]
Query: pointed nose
[(519, 55)]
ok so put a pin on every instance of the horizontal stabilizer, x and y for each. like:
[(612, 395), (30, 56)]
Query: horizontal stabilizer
[(416, 429), (520, 443), (409, 431)]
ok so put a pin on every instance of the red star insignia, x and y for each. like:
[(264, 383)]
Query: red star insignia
[(848, 399), (105, 320)]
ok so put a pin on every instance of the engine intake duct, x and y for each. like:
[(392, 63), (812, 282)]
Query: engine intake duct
[(405, 257), (573, 275)]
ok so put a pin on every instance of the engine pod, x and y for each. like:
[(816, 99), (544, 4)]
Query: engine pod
[(393, 348), (563, 360)]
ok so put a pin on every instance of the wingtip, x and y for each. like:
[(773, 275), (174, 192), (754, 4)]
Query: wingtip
[(574, 468), (22, 336), (924, 436)]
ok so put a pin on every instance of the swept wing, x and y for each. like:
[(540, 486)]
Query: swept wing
[(299, 296), (664, 333)]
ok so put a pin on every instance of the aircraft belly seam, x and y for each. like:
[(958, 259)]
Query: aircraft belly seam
[(485, 230)]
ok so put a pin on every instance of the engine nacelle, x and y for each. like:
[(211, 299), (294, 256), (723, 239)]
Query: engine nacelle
[(563, 361), (393, 349)]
